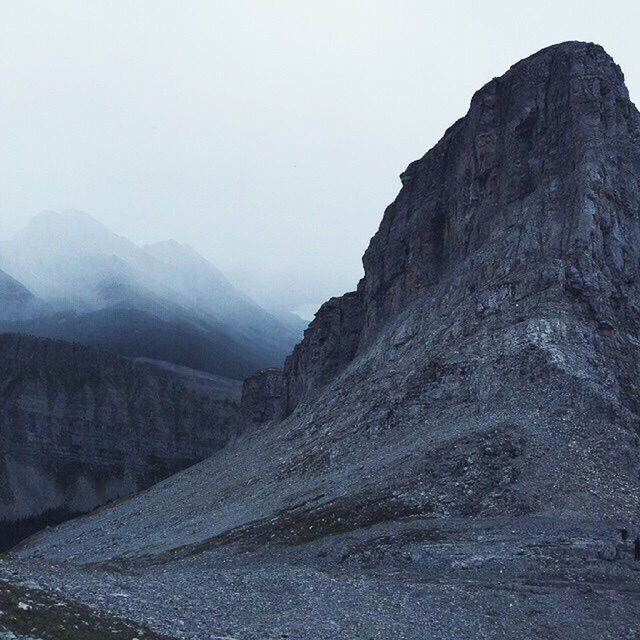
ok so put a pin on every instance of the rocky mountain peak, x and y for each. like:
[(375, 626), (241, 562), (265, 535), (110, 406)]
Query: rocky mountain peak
[(531, 156), (535, 188)]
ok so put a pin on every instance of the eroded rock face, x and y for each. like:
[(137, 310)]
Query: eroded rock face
[(535, 189), (80, 427), (261, 395), (329, 344)]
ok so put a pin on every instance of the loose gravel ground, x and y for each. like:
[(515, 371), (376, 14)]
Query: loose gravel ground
[(409, 580)]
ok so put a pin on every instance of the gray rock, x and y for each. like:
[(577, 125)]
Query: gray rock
[(80, 427), (329, 344), (261, 396), (543, 170)]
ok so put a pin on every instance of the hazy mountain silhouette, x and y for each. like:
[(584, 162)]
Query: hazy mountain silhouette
[(162, 301), (17, 302)]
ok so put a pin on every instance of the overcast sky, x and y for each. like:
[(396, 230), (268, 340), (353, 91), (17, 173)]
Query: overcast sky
[(269, 135)]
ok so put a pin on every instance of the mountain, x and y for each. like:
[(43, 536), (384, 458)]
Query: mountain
[(208, 290), (453, 448), (146, 333), (13, 293), (81, 427), (161, 301), (17, 302), (72, 258)]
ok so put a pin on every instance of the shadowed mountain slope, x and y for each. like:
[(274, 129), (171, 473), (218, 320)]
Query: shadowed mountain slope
[(458, 440), (161, 301), (162, 335), (81, 427), (17, 302)]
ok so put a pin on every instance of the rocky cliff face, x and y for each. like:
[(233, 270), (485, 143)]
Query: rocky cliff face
[(80, 427), (533, 193), (261, 396), (329, 345), (461, 435)]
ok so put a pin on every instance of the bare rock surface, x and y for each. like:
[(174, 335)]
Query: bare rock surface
[(459, 439), (80, 427), (261, 396)]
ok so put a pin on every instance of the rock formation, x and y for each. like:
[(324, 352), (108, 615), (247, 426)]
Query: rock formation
[(534, 193), (261, 396), (459, 438), (80, 427), (329, 345)]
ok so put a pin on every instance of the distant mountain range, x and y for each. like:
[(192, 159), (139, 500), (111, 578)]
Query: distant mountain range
[(67, 276), (16, 301)]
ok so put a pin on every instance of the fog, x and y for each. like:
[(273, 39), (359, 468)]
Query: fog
[(267, 135)]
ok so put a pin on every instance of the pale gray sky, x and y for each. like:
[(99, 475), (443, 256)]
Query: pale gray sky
[(269, 135)]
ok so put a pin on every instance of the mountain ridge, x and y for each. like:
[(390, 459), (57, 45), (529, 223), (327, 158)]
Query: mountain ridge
[(80, 427), (88, 274), (17, 302)]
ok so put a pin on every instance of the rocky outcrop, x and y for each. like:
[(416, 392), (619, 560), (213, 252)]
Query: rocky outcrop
[(261, 394), (329, 345), (81, 427), (543, 168), (536, 188)]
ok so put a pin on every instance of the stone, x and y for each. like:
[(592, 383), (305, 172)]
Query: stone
[(261, 395)]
